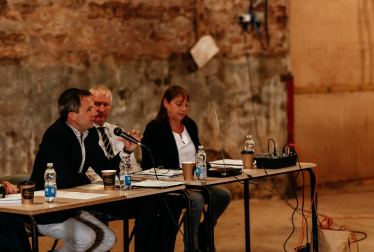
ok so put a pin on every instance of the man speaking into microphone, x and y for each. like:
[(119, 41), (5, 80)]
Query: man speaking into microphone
[(143, 209), (102, 98)]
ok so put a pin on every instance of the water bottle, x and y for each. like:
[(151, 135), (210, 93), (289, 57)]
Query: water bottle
[(249, 145), (50, 186), (201, 171), (124, 175), (248, 153)]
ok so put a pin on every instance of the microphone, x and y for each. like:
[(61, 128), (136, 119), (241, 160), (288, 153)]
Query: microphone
[(119, 132)]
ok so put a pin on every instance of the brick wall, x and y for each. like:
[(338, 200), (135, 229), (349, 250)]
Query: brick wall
[(137, 49)]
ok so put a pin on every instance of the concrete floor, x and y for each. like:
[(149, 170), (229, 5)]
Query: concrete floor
[(271, 222)]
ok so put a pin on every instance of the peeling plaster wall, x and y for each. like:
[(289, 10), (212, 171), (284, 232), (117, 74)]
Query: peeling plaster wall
[(137, 49)]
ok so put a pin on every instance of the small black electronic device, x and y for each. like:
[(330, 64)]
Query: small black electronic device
[(276, 160), (220, 172)]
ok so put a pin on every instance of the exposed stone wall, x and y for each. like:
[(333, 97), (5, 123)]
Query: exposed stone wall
[(137, 49)]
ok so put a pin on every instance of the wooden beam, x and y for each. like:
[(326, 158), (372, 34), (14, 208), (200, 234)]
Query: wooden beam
[(200, 19), (334, 89)]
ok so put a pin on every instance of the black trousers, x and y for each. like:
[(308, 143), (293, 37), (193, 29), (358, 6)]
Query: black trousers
[(169, 209), (13, 237), (156, 220)]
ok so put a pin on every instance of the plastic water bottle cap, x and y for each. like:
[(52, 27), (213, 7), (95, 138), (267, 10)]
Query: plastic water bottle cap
[(201, 147), (249, 136), (50, 165)]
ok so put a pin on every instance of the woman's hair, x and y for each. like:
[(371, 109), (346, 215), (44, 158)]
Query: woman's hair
[(169, 95)]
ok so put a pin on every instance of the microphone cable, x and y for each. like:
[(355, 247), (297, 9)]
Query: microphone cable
[(153, 162), (172, 217), (295, 209)]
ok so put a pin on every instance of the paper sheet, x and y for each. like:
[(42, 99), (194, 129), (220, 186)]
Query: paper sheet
[(94, 186), (156, 183), (204, 50), (73, 195), (11, 198), (161, 172), (228, 162)]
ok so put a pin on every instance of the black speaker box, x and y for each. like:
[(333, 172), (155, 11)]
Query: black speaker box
[(269, 162), (221, 172)]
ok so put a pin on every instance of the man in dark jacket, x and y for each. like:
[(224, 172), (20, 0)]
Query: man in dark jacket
[(71, 144)]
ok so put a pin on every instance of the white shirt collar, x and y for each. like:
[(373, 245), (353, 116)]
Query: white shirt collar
[(78, 134), (98, 126)]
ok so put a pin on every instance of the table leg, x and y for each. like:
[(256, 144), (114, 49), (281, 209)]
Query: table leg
[(105, 215), (126, 241), (246, 216), (314, 214), (35, 245), (188, 219), (210, 218)]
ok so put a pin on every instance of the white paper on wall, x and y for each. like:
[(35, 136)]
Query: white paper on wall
[(204, 50)]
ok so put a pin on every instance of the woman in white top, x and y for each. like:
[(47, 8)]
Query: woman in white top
[(173, 138)]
